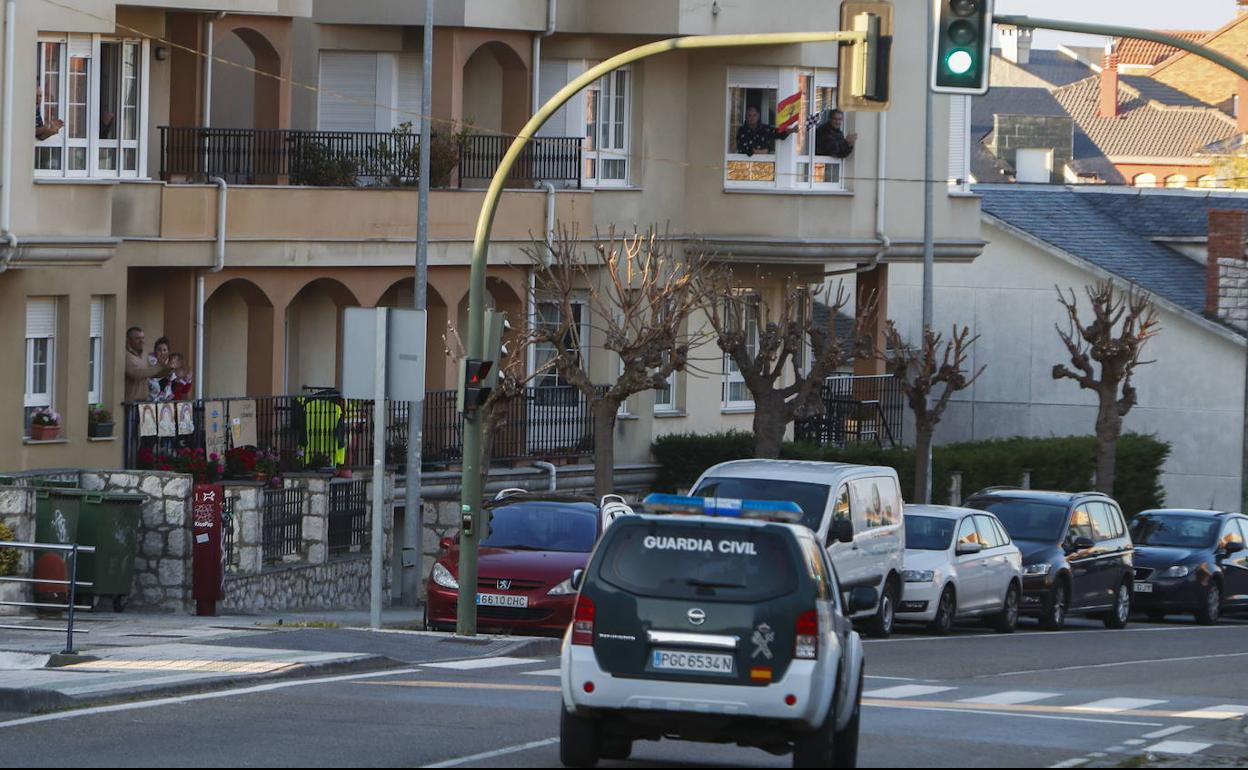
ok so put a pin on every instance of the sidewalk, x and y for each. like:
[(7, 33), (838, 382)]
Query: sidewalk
[(129, 656)]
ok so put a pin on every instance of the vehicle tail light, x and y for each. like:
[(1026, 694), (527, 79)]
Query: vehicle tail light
[(583, 621), (807, 647)]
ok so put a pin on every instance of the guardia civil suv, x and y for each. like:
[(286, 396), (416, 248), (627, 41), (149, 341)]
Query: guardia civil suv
[(714, 626)]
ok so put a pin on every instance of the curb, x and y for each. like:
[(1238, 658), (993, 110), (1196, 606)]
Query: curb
[(32, 700)]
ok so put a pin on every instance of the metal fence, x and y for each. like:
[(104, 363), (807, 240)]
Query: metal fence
[(858, 410), (348, 517), (544, 159), (281, 525), (227, 531), (49, 586)]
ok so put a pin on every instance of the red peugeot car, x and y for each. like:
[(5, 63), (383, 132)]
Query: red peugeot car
[(524, 567)]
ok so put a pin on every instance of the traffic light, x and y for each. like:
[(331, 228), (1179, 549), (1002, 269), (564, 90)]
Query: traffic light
[(496, 329), (962, 50), (865, 66), (474, 386)]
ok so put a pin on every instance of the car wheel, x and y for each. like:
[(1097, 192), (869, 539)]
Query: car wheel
[(1054, 617), (578, 741), (881, 625), (942, 624), (1210, 610), (815, 749), (1121, 613), (617, 748), (1006, 621), (845, 744)]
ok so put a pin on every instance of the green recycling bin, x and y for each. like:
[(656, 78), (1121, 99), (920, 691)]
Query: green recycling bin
[(110, 523), (58, 512)]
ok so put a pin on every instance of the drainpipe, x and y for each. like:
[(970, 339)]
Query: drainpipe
[(552, 7), (218, 264), (880, 175), (6, 138), (552, 470)]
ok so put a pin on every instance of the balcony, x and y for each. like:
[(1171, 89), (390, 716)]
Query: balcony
[(353, 158), (324, 430), (857, 410)]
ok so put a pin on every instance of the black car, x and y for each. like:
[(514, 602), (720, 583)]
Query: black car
[(1077, 553), (1190, 562)]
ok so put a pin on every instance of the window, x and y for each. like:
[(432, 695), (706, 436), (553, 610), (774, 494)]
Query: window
[(549, 316), (818, 570), (1243, 529), (968, 534), (98, 87), (811, 498), (607, 130), (40, 354), (95, 354), (1231, 534), (988, 533), (759, 158), (1081, 524), (1033, 166), (1102, 522), (1002, 535), (736, 394), (1145, 180), (841, 512)]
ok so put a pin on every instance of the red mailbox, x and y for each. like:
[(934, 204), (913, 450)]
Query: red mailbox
[(209, 548)]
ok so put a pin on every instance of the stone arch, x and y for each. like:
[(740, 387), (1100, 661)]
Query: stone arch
[(238, 327), (496, 88), (438, 365), (313, 334)]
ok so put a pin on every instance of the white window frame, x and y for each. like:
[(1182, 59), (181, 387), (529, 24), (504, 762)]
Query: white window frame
[(671, 403), (95, 353), (88, 47), (43, 399), (596, 152), (732, 374), (820, 79), (785, 81), (583, 340)]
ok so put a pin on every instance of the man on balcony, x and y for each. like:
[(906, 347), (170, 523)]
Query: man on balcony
[(138, 370)]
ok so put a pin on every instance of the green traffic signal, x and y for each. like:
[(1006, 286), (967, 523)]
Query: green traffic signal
[(960, 62)]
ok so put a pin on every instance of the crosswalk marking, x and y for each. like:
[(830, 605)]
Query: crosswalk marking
[(1009, 698), (906, 691), (1166, 733), (481, 663), (1185, 748), (547, 672), (1115, 705), (1225, 711)]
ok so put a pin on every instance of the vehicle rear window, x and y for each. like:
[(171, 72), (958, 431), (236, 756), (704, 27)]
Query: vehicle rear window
[(543, 527), (1027, 519), (700, 562), (925, 533), (811, 498), (1174, 531)]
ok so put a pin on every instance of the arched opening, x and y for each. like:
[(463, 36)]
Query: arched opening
[(314, 335), (1145, 180), (1176, 181), (438, 366), (1207, 182), (238, 341), (247, 95), (496, 89)]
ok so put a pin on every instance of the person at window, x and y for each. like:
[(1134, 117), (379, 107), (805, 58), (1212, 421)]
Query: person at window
[(44, 131), (179, 380), (830, 138), (756, 136), (157, 387), (138, 369)]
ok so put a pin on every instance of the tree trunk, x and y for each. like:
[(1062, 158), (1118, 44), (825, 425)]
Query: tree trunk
[(922, 450), (604, 413), (1108, 429), (769, 427)]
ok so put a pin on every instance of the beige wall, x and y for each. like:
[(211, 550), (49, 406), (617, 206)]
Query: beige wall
[(226, 337)]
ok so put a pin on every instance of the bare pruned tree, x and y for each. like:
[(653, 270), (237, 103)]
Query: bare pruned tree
[(638, 295), (1104, 354), (921, 371), (766, 339)]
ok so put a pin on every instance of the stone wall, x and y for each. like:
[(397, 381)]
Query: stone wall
[(1035, 132), (17, 512), (1233, 293), (335, 584)]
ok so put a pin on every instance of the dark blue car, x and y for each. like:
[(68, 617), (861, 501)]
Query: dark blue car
[(1190, 562)]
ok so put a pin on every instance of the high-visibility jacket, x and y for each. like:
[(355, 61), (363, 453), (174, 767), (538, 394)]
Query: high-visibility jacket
[(323, 430)]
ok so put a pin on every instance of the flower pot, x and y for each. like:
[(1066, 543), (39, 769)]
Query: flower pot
[(100, 430), (44, 432)]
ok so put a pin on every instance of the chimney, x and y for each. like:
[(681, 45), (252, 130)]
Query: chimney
[(1227, 231), (1109, 83), (1016, 44)]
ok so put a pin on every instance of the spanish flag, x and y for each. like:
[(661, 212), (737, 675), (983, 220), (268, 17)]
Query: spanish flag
[(788, 112)]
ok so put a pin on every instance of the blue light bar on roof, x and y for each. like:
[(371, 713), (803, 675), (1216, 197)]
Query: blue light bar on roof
[(729, 507)]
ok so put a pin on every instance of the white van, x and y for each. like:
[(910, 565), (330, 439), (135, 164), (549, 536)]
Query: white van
[(855, 510)]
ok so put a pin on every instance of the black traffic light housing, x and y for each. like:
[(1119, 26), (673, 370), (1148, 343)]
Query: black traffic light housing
[(962, 48), (474, 384)]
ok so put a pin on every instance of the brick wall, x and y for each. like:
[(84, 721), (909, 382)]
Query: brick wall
[(1204, 79), (1227, 230)]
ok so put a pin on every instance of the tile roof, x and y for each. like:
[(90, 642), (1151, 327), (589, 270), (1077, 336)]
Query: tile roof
[(1148, 53), (1144, 128), (1115, 230)]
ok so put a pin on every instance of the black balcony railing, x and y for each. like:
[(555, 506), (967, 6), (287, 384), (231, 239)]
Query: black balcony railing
[(544, 159), (246, 156), (318, 431), (858, 410)]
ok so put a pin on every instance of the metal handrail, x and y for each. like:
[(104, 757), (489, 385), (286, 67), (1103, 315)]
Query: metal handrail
[(73, 550)]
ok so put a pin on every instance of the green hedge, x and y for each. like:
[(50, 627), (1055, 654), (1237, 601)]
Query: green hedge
[(1061, 463)]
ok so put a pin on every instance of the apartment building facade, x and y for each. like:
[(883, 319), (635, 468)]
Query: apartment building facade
[(204, 197)]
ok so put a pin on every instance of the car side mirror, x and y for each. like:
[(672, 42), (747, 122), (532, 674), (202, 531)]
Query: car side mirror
[(842, 532), (863, 599), (578, 577), (969, 549), (446, 544), (1233, 547)]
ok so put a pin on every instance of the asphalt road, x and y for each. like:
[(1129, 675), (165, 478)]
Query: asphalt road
[(970, 700)]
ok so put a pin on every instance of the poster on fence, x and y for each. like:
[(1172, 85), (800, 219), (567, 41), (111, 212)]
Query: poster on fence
[(214, 428), (168, 427), (243, 423), (186, 418), (148, 427)]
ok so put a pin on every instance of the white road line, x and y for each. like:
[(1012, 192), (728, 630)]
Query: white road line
[(480, 663), (201, 696), (496, 753), (894, 678), (1225, 711), (1166, 733), (1115, 665), (1184, 748), (1010, 698), (906, 691), (1050, 634), (1134, 742), (547, 672), (1114, 705), (1071, 763), (937, 710)]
